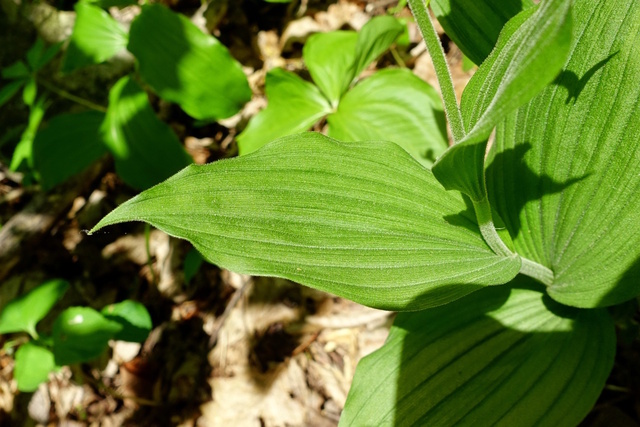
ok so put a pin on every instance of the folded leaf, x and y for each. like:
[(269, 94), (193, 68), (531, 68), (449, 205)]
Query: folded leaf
[(23, 313), (330, 58), (96, 37), (72, 140), (362, 220), (145, 149), (474, 25), (294, 106), (564, 175), (375, 37), (33, 365), (500, 356), (530, 52), (186, 66), (397, 106)]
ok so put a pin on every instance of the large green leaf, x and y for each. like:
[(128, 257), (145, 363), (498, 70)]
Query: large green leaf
[(33, 365), (69, 144), (145, 149), (186, 66), (499, 357), (81, 334), (474, 25), (96, 37), (23, 313), (294, 106), (330, 58), (397, 106), (375, 37), (564, 176), (362, 220), (529, 54)]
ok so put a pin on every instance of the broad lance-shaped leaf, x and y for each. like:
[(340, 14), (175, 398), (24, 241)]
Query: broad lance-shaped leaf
[(362, 220), (393, 105), (375, 37), (501, 356), (186, 66), (294, 106), (330, 58), (564, 175), (530, 52), (96, 37), (474, 25), (145, 149), (72, 140)]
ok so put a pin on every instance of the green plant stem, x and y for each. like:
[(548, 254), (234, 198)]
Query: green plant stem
[(537, 271), (72, 97), (488, 228), (421, 14)]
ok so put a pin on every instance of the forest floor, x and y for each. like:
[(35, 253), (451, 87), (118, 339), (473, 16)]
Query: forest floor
[(226, 349)]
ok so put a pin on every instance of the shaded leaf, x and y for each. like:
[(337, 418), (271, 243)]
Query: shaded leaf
[(23, 153), (96, 37), (397, 106), (16, 70), (362, 220), (29, 92), (68, 145), (192, 263), (186, 66), (330, 59), (500, 357), (23, 313), (529, 54), (145, 149), (294, 106), (33, 365), (474, 25), (375, 37), (564, 175), (134, 319), (81, 334), (8, 90)]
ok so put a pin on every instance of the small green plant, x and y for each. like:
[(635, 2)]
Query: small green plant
[(391, 104), (79, 334), (551, 213)]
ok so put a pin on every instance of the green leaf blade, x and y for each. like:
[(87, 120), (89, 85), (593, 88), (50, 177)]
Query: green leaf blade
[(133, 317), (374, 39), (294, 106), (330, 59), (33, 365), (146, 150), (81, 334), (529, 54), (72, 140), (96, 37), (361, 220), (573, 152), (23, 313), (186, 66), (503, 356), (474, 25), (393, 105)]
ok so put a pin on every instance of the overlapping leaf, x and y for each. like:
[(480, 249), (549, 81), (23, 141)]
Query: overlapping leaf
[(133, 317), (564, 175), (500, 356), (72, 140), (374, 39), (361, 220), (33, 365), (393, 105), (474, 25), (294, 106), (186, 66), (96, 37), (145, 149), (529, 54)]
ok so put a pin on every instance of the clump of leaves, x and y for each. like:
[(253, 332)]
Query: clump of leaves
[(79, 333), (391, 104), (551, 214)]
